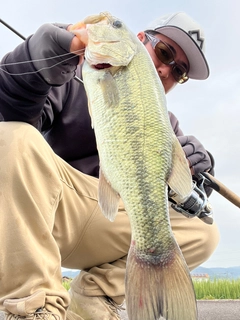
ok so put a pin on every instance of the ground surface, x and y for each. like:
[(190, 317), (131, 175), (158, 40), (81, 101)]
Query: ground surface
[(207, 310), (213, 310)]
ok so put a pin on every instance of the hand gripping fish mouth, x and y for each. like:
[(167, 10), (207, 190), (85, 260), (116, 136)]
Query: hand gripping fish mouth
[(105, 49)]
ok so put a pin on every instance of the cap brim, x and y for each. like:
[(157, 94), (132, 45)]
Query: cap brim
[(198, 65)]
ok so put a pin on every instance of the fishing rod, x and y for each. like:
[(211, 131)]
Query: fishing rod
[(12, 29), (24, 38), (218, 186)]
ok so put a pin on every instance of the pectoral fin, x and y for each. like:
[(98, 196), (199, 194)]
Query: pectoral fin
[(108, 198), (180, 179)]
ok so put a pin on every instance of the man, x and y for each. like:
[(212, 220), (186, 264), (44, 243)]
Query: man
[(48, 192)]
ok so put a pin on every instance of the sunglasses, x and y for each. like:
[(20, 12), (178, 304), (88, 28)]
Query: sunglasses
[(166, 56)]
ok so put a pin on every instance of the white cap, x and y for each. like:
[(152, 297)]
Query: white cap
[(189, 35)]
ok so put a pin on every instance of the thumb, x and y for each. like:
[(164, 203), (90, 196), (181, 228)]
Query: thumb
[(80, 41)]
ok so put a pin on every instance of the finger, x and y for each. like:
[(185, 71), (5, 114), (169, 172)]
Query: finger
[(183, 140), (80, 41), (78, 25), (189, 149), (196, 158)]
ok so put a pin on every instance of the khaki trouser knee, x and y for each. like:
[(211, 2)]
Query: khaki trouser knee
[(51, 218)]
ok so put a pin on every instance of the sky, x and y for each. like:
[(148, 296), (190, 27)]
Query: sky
[(209, 110)]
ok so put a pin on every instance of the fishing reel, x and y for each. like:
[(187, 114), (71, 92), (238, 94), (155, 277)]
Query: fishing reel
[(196, 205)]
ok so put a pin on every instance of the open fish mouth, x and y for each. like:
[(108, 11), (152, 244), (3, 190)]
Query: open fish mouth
[(102, 66)]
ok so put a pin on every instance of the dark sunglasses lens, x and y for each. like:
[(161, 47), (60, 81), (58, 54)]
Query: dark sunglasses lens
[(163, 53), (179, 73)]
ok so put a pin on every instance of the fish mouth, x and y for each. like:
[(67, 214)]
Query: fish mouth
[(102, 66)]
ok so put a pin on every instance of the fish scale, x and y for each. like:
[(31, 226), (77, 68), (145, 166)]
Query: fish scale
[(139, 158)]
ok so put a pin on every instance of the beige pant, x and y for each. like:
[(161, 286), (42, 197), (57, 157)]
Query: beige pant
[(50, 218)]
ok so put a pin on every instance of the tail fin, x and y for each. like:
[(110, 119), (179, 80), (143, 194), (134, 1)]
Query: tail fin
[(159, 290)]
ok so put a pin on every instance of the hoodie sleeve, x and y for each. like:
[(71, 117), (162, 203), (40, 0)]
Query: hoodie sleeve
[(24, 85)]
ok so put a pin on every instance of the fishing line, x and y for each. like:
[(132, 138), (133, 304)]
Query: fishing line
[(39, 60)]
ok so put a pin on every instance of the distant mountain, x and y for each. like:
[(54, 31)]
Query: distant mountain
[(219, 273)]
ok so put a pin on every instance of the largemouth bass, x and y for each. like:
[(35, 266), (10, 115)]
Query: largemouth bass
[(140, 157)]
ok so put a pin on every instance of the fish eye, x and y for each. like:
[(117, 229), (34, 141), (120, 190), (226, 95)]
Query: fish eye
[(117, 24)]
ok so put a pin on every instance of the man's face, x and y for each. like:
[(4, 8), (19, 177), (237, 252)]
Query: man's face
[(164, 70)]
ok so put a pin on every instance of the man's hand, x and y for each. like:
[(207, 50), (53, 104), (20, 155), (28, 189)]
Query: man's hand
[(80, 41), (196, 154)]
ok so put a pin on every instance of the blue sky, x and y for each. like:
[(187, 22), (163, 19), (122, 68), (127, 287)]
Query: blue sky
[(209, 110)]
